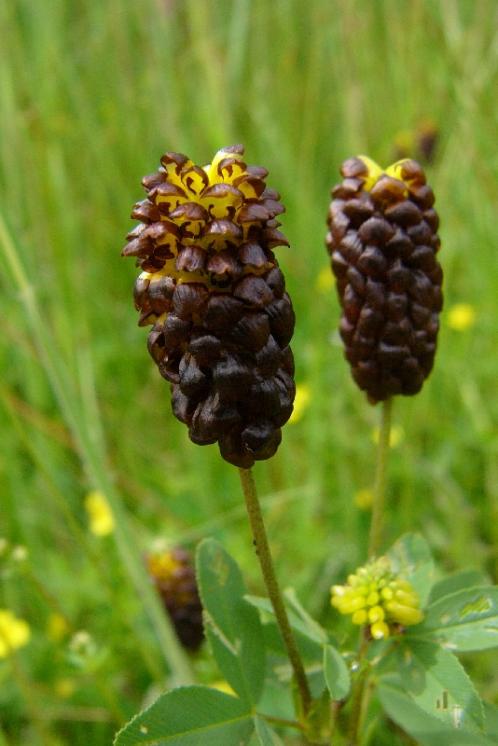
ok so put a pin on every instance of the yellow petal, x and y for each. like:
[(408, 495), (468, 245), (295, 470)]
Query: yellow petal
[(374, 172), (101, 519), (14, 632), (379, 630), (461, 317), (303, 396)]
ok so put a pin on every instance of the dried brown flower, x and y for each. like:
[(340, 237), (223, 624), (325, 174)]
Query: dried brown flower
[(174, 577), (383, 243), (213, 292)]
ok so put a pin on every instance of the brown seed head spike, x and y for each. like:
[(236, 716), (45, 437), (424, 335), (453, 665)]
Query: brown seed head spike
[(174, 577), (383, 243), (215, 296)]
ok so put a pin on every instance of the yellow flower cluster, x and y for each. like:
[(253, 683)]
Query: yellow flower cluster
[(378, 598), (14, 633)]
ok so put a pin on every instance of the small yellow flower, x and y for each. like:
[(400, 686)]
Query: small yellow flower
[(57, 627), (378, 598), (461, 317), (396, 436), (364, 499), (101, 519), (14, 633), (303, 396), (325, 280)]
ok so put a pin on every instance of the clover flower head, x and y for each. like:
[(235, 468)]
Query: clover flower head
[(383, 244), (213, 292), (379, 599), (173, 574)]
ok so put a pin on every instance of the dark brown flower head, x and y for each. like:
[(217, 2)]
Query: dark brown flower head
[(383, 243), (174, 577), (215, 297)]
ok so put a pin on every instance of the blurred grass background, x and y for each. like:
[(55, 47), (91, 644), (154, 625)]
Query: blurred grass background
[(91, 94)]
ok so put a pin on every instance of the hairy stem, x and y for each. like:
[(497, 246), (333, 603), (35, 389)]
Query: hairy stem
[(357, 695), (266, 562), (377, 524)]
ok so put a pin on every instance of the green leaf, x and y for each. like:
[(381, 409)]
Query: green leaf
[(233, 627), (437, 682), (336, 673), (426, 729), (190, 716), (312, 631), (412, 558), (459, 581), (491, 720), (315, 630), (463, 621), (265, 736), (311, 653)]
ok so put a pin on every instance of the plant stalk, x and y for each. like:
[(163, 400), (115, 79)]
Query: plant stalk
[(377, 524), (357, 704), (270, 579)]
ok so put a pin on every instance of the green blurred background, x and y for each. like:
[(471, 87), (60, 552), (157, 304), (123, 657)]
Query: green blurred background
[(91, 94)]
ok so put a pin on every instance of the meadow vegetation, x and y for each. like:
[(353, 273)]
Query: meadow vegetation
[(91, 94)]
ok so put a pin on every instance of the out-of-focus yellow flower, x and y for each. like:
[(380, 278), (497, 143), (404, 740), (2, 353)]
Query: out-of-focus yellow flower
[(364, 499), (19, 553), (57, 627), (223, 686), (379, 599), (65, 688), (461, 316), (101, 519), (396, 436), (14, 633), (325, 280), (303, 395), (163, 565)]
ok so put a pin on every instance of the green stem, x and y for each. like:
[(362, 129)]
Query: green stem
[(357, 695), (281, 721), (377, 524), (95, 464), (266, 562)]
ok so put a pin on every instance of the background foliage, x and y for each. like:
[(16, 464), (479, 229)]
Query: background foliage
[(91, 93)]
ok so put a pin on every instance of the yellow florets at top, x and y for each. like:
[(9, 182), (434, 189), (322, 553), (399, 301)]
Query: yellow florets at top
[(212, 206), (399, 170), (163, 565), (379, 599), (208, 225)]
